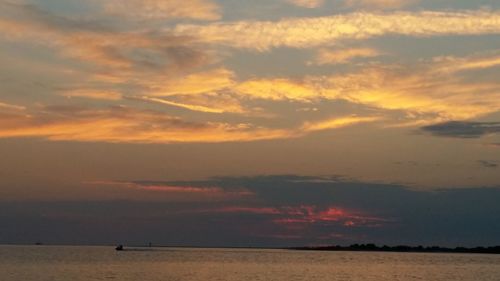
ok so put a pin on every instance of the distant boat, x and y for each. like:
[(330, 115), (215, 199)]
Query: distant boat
[(119, 248)]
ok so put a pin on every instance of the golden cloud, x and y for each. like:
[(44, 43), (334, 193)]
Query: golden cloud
[(196, 83), (209, 104), (335, 123), (122, 124), (164, 9), (93, 94), (314, 32), (379, 4), (430, 90), (307, 3), (11, 106), (277, 89), (329, 56)]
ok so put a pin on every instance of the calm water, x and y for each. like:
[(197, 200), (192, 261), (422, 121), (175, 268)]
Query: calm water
[(103, 263)]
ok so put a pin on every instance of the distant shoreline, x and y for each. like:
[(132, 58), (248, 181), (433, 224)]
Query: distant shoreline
[(337, 248), (402, 249)]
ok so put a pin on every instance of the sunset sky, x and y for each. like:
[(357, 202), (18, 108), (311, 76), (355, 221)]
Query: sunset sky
[(250, 122)]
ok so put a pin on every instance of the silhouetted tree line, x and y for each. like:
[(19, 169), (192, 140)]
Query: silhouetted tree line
[(404, 249)]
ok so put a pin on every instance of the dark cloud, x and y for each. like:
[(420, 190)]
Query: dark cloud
[(464, 129), (107, 44), (282, 211), (32, 15), (488, 164)]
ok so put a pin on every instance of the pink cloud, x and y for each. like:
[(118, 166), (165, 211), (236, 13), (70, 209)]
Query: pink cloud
[(252, 210), (177, 189), (333, 215), (299, 216)]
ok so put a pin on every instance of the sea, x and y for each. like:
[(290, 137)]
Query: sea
[(58, 263)]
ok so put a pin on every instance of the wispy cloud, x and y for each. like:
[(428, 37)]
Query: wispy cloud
[(93, 94), (195, 83), (219, 106), (429, 91), (314, 32), (98, 44), (308, 214), (164, 9), (329, 56), (11, 106), (379, 4), (488, 164), (335, 123), (307, 3), (186, 192), (124, 124), (121, 124)]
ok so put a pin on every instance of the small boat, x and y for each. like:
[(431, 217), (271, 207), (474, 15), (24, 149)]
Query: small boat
[(119, 248)]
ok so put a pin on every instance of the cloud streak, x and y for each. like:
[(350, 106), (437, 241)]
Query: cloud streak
[(328, 56), (129, 125), (307, 3), (314, 32), (466, 130), (164, 9), (379, 4)]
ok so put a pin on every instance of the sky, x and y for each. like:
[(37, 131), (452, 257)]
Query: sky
[(250, 123)]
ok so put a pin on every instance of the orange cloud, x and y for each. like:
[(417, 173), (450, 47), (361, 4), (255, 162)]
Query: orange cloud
[(379, 4), (93, 94), (307, 3), (121, 124), (163, 9), (328, 56), (126, 54), (314, 32), (210, 103), (178, 192), (338, 122), (277, 89), (11, 106), (432, 91), (197, 83)]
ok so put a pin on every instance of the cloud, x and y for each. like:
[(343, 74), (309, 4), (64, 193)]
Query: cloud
[(307, 3), (337, 122), (328, 56), (93, 94), (122, 124), (427, 92), (196, 83), (379, 4), (178, 67), (277, 89), (321, 31), (177, 192), (251, 210), (105, 46), (306, 214), (11, 106), (311, 210), (463, 129), (129, 125), (216, 104), (488, 164), (452, 64), (164, 9)]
